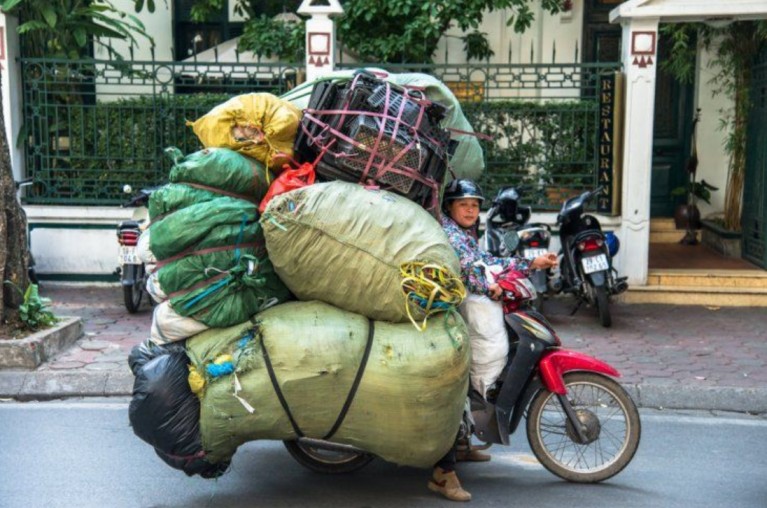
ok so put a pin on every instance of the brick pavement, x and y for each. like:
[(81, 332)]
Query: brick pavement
[(670, 356)]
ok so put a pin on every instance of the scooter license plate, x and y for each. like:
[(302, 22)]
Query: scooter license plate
[(533, 253), (596, 263), (128, 256)]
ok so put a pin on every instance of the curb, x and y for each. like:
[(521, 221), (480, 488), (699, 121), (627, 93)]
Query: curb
[(31, 351), (28, 386)]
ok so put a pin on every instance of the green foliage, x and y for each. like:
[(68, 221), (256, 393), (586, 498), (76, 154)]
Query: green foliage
[(67, 28), (549, 144), (734, 49), (694, 191), (34, 312), (405, 31), (268, 37), (118, 142)]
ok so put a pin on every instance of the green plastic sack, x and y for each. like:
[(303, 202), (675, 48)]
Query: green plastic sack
[(407, 407), (222, 169), (221, 221), (174, 196), (224, 287), (343, 244)]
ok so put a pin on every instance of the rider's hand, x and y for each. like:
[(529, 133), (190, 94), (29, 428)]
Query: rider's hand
[(548, 260), (495, 291)]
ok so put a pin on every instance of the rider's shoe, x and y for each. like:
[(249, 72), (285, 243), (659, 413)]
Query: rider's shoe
[(471, 455), (447, 484)]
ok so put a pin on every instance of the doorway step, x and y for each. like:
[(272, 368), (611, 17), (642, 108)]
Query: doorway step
[(696, 275), (663, 230)]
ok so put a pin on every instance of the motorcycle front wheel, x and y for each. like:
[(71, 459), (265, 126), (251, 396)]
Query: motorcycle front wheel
[(611, 425), (326, 461), (132, 294)]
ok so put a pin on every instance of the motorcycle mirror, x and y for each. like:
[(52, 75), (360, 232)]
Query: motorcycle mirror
[(511, 240), (127, 189)]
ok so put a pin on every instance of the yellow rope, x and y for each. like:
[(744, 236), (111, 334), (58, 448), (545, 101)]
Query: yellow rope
[(428, 289)]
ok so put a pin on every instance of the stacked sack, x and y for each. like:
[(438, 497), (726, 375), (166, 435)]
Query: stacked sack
[(212, 269), (343, 364)]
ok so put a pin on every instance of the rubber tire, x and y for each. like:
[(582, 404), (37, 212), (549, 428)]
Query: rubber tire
[(132, 294), (312, 462), (603, 306), (629, 410)]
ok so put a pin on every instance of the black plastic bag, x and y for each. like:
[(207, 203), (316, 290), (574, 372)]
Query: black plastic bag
[(164, 412), (147, 350)]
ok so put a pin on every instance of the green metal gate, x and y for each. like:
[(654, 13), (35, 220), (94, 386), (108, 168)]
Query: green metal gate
[(92, 126), (754, 218)]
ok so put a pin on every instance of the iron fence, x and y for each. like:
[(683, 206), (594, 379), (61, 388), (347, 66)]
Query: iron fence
[(93, 126)]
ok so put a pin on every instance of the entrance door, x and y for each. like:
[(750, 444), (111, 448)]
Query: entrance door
[(673, 106), (754, 216)]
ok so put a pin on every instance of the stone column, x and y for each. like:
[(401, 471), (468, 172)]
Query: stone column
[(10, 72), (320, 37), (640, 61)]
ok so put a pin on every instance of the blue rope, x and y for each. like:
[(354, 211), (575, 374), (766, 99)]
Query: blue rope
[(212, 289), (239, 237)]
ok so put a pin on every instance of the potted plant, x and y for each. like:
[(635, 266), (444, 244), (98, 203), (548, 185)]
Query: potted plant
[(687, 214)]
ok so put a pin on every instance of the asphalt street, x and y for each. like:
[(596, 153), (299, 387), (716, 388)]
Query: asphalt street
[(83, 453)]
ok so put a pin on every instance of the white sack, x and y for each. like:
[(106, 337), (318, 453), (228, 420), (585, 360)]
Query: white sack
[(489, 340), (168, 326)]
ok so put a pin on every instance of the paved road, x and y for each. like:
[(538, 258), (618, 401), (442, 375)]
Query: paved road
[(84, 454)]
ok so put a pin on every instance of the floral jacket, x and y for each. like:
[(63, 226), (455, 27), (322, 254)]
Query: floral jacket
[(467, 247)]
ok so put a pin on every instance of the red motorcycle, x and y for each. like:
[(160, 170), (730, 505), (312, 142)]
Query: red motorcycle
[(581, 424)]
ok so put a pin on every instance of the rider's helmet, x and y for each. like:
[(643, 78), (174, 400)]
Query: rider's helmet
[(506, 202), (460, 189), (613, 244)]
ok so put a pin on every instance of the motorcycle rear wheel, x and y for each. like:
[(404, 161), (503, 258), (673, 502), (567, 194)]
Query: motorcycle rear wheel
[(611, 422), (132, 294), (327, 461), (603, 306)]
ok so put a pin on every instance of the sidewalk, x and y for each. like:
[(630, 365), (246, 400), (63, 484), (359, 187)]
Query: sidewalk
[(681, 357)]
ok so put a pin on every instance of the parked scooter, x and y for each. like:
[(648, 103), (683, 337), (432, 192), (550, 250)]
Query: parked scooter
[(586, 267), (132, 271), (581, 424), (507, 215)]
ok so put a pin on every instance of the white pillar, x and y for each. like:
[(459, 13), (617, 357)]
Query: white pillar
[(11, 90), (320, 46), (640, 61)]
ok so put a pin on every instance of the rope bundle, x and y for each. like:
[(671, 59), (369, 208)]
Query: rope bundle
[(429, 289)]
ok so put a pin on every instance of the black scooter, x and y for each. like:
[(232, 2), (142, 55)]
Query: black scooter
[(131, 269), (586, 266), (507, 216)]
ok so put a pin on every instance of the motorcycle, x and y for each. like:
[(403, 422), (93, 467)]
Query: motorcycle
[(505, 216), (586, 266), (131, 270), (582, 425)]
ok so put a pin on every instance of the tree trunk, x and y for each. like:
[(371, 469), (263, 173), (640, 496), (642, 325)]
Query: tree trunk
[(13, 234)]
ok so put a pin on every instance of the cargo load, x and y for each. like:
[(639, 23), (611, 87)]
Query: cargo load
[(344, 244), (407, 406)]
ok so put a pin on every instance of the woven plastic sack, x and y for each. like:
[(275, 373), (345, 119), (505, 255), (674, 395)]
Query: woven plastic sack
[(174, 196), (343, 244), (407, 407), (222, 288), (259, 125), (169, 326), (222, 170), (221, 221)]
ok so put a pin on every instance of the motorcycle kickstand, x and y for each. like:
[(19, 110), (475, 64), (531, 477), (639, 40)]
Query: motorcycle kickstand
[(576, 308)]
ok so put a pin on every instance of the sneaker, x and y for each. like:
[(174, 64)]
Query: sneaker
[(447, 485)]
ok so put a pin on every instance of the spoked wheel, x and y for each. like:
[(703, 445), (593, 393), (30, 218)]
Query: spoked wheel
[(608, 417), (132, 294), (603, 306), (325, 461)]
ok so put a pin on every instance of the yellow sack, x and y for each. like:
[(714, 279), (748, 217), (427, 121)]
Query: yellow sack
[(259, 125)]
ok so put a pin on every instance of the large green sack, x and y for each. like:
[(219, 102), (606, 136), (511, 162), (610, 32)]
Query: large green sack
[(222, 169), (222, 288), (174, 196), (221, 221), (407, 407), (467, 160), (343, 244)]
